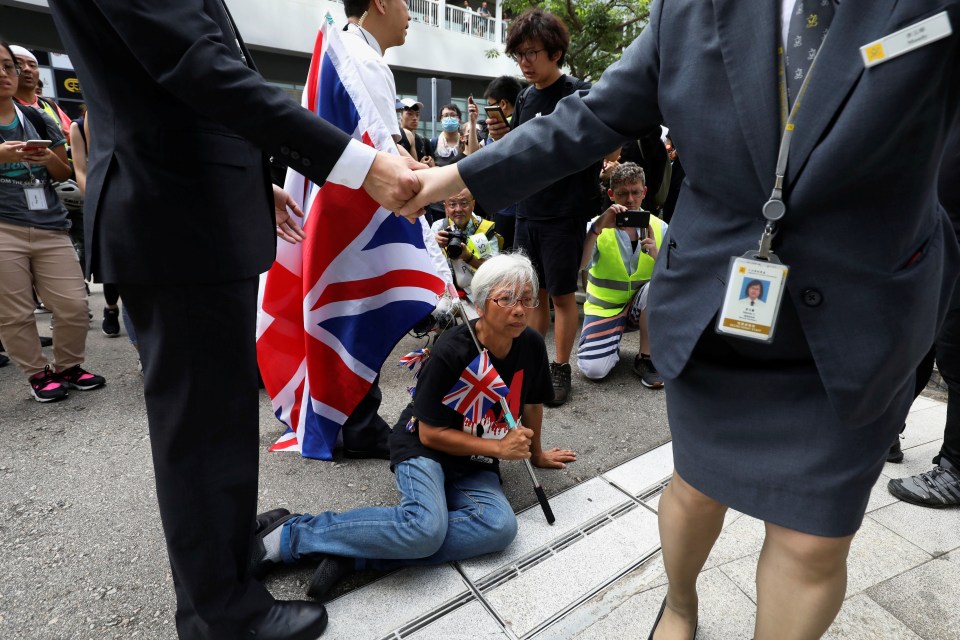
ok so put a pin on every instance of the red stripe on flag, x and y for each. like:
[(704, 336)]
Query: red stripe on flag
[(357, 289), (335, 384), (280, 349), (313, 77)]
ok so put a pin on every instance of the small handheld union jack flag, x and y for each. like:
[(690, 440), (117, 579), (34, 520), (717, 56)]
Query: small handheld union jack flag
[(415, 360), (478, 389)]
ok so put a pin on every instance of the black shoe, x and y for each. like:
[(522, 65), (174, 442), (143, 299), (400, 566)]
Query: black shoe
[(46, 341), (267, 518), (560, 373), (290, 620), (656, 622), (4, 361), (895, 454), (111, 322), (78, 378), (649, 376), (660, 615), (47, 387), (260, 565), (329, 572), (938, 488)]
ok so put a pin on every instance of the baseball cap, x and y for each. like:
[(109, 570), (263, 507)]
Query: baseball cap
[(409, 103)]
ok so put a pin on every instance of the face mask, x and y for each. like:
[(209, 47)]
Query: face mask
[(450, 124)]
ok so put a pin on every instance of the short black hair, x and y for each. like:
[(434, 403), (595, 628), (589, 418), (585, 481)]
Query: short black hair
[(504, 88), (537, 24), (355, 8), (453, 107), (755, 283)]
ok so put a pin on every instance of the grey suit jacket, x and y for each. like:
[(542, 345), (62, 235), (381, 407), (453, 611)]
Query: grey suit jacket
[(178, 189), (872, 256)]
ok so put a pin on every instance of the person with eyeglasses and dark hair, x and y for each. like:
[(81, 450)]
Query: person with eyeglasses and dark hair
[(452, 505), (550, 223)]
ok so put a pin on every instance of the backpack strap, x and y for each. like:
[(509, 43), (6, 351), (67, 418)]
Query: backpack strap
[(35, 117)]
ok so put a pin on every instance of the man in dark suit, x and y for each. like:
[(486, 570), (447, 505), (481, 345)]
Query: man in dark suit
[(180, 215), (794, 432)]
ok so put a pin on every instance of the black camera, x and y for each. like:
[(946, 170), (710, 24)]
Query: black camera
[(455, 244), (437, 320)]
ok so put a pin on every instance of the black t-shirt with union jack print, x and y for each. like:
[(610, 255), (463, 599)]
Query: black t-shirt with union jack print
[(525, 370)]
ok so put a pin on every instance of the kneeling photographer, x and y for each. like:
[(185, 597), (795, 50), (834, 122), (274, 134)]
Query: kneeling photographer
[(467, 239)]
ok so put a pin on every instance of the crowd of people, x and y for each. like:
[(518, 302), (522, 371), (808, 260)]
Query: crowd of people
[(605, 211)]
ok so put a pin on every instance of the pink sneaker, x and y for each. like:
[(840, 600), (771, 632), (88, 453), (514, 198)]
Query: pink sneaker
[(46, 387)]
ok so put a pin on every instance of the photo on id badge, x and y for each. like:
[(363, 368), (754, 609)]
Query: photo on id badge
[(752, 299)]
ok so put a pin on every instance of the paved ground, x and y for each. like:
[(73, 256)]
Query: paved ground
[(83, 557)]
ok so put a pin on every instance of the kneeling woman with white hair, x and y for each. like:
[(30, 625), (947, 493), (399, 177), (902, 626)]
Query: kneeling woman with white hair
[(446, 464)]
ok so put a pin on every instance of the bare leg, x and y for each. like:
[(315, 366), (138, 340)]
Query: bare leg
[(565, 326), (801, 581), (690, 523), (540, 318)]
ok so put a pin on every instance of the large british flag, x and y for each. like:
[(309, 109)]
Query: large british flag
[(478, 389), (333, 307)]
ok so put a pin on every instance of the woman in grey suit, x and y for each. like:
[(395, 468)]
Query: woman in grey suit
[(794, 432)]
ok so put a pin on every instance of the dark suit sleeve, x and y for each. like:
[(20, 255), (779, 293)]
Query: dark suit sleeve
[(188, 54), (583, 128)]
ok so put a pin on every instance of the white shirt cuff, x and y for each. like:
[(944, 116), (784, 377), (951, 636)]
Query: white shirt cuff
[(354, 164)]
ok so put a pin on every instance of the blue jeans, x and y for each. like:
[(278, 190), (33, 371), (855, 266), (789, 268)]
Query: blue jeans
[(441, 517)]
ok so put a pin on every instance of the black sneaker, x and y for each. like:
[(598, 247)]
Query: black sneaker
[(649, 376), (4, 360), (77, 378), (939, 487), (111, 322), (46, 386), (895, 454), (46, 341), (560, 373)]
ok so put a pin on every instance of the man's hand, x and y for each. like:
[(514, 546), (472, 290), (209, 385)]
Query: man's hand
[(287, 226), (608, 219), (516, 444), (473, 112), (553, 458), (497, 129), (392, 183), (649, 245), (443, 238), (433, 186)]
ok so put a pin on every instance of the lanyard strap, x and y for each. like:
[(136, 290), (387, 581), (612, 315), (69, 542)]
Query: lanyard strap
[(31, 179), (775, 209)]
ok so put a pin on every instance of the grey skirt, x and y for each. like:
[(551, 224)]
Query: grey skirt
[(753, 429)]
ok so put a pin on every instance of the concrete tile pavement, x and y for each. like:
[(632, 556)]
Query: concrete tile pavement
[(600, 576), (82, 556)]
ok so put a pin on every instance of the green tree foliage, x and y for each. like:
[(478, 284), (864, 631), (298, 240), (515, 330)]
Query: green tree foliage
[(599, 29)]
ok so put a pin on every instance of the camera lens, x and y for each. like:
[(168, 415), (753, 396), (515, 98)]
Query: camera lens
[(455, 244)]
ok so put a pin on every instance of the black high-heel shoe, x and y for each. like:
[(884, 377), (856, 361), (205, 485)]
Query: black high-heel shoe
[(660, 615), (657, 621)]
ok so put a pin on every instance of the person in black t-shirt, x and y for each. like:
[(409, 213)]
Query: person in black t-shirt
[(551, 224), (452, 506)]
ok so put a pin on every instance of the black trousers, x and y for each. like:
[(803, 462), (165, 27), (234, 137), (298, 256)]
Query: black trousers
[(948, 362), (197, 346)]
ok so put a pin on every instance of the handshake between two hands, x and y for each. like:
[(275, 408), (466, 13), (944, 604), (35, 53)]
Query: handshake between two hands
[(406, 186), (400, 184)]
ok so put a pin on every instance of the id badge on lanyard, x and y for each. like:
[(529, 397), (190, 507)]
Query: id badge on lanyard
[(756, 281), (36, 196)]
